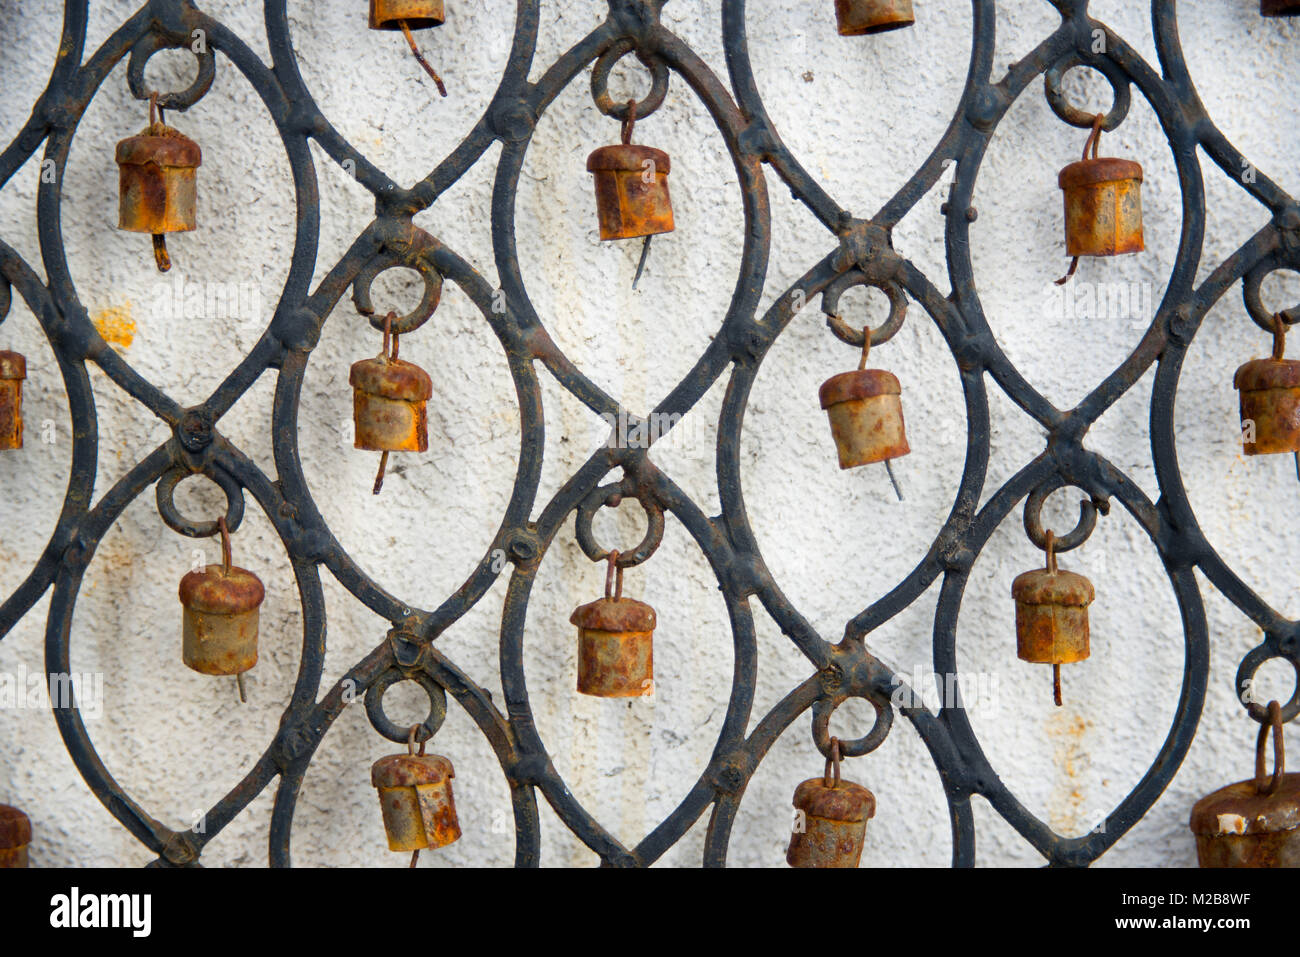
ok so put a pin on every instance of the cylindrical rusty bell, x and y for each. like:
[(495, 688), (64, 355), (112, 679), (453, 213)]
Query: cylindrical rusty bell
[(416, 800), (866, 414), (221, 605), (1279, 8), (157, 181), (615, 642), (1052, 615), (631, 191), (1270, 399), (858, 17), (389, 405), (13, 370), (831, 823), (15, 836), (418, 14), (1103, 207), (1253, 823)]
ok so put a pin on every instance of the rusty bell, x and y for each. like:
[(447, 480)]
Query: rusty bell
[(832, 824), (858, 17), (866, 414), (157, 171), (1052, 616), (389, 405), (1279, 8), (15, 836), (416, 800), (631, 191), (418, 14), (13, 370), (221, 605), (615, 643), (1270, 402), (1103, 207)]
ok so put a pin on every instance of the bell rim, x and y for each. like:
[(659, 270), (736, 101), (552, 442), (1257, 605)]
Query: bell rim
[(1260, 374), (1102, 169), (1039, 586), (847, 801), (1241, 798), (196, 591), (615, 615), (627, 158), (858, 384), (411, 770), (394, 379)]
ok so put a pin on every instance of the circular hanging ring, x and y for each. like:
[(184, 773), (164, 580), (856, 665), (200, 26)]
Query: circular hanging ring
[(855, 337), (1251, 293), (143, 51), (166, 496), (600, 82), (610, 496), (822, 710), (416, 317), (401, 734), (1274, 724), (1088, 509), (1255, 659), (1069, 113)]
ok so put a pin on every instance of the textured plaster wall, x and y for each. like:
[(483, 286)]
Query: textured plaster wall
[(860, 114)]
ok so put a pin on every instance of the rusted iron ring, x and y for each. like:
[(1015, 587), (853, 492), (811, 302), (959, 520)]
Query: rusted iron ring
[(1070, 113), (166, 496), (822, 710), (1088, 509), (145, 48), (855, 337), (1255, 659), (610, 496), (600, 82), (1251, 293), (416, 317), (401, 734)]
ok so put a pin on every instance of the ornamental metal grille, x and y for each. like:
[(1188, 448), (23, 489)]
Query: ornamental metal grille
[(853, 252)]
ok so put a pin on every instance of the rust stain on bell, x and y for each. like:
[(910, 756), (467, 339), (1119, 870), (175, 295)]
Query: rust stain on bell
[(1270, 405), (418, 14), (1242, 826), (1052, 616), (157, 172), (832, 828), (15, 836), (13, 370), (416, 800), (389, 405), (631, 191), (221, 619), (1103, 207), (857, 17), (615, 648), (866, 415)]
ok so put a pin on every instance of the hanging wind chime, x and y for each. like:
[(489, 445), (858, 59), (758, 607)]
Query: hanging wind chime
[(408, 15), (389, 403), (1270, 400), (615, 641), (13, 370), (156, 183), (831, 817), (1052, 616), (15, 836), (415, 799), (1103, 204)]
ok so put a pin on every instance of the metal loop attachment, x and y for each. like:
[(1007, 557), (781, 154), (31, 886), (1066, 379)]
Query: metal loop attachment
[(170, 514), (1083, 119), (832, 766), (1252, 295), (822, 710), (400, 734), (1088, 510), (610, 496), (143, 51), (856, 336), (1263, 784), (600, 82), (1255, 659), (416, 317)]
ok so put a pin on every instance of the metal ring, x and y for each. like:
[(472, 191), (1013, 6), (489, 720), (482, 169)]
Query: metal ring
[(416, 317), (600, 82), (611, 496), (177, 522), (1255, 659), (1088, 509), (854, 337), (822, 710), (143, 51), (402, 733), (1071, 114), (1251, 293), (1273, 724)]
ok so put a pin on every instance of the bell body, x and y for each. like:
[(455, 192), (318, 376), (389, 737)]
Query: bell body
[(1052, 616), (631, 191), (833, 826), (1279, 8), (615, 648), (157, 171), (416, 800), (1103, 207), (15, 836), (221, 618), (1237, 826), (418, 14), (856, 17), (1270, 405), (390, 405), (866, 414), (13, 369)]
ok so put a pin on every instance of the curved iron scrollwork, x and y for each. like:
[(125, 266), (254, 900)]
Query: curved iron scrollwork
[(858, 252)]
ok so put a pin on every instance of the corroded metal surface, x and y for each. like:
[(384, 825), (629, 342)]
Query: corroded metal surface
[(15, 837), (866, 416), (861, 17), (416, 800), (221, 607)]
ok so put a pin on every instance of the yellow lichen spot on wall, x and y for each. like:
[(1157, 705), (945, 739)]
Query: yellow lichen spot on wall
[(116, 325)]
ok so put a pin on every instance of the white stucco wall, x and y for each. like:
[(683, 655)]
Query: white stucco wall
[(860, 114)]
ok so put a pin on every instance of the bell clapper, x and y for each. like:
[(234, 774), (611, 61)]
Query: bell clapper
[(1093, 143), (390, 356), (160, 255), (892, 480), (628, 125), (1056, 665), (406, 32), (640, 266)]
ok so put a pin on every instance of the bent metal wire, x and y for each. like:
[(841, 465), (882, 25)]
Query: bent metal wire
[(856, 251)]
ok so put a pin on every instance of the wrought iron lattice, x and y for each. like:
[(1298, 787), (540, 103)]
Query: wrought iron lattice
[(857, 251)]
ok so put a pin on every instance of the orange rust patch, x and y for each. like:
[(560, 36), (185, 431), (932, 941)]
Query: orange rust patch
[(116, 325)]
